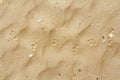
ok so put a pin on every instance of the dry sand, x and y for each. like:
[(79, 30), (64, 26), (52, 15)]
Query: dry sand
[(59, 39)]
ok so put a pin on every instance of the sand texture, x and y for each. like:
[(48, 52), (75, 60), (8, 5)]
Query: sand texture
[(59, 39)]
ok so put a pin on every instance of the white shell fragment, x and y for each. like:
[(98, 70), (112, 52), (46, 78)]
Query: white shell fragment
[(40, 20), (30, 55), (111, 35)]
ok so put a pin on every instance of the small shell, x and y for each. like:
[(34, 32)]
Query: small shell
[(111, 35), (30, 55), (40, 20)]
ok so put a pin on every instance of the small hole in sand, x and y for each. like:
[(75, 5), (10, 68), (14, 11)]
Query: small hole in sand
[(103, 37), (96, 78), (79, 70), (59, 74), (74, 74), (79, 23), (42, 28)]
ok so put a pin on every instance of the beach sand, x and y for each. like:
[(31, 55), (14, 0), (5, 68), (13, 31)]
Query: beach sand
[(59, 39)]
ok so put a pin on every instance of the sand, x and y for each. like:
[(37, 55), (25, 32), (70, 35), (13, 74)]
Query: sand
[(59, 39)]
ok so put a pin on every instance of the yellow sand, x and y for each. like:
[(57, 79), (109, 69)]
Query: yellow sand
[(59, 39)]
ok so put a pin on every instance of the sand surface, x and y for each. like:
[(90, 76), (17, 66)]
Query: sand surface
[(59, 39)]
